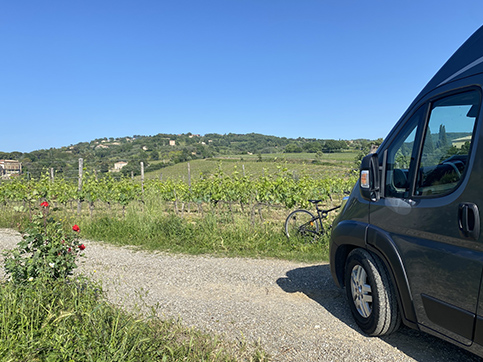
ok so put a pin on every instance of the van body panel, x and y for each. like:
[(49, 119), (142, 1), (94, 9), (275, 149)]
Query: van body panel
[(380, 243), (349, 233), (346, 236), (424, 222), (440, 261)]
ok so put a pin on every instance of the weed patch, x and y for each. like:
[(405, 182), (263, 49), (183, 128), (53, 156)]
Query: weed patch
[(69, 320)]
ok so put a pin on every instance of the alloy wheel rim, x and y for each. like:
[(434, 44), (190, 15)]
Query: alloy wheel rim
[(361, 291)]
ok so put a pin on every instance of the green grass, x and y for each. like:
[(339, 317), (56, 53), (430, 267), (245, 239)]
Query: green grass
[(254, 233), (219, 234), (336, 164), (71, 321), (307, 157), (224, 230)]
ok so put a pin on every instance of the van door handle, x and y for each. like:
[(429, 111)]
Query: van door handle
[(469, 220)]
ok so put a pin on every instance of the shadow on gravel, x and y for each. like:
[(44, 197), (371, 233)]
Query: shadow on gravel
[(316, 283)]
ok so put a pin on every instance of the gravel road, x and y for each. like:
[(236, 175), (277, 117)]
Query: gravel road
[(293, 309)]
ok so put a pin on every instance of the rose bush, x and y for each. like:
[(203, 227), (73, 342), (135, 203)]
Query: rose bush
[(46, 250)]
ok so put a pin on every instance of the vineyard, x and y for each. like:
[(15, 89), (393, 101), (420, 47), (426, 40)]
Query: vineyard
[(230, 214), (281, 189)]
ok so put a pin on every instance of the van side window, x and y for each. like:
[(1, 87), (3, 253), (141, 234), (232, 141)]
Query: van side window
[(447, 143), (399, 156)]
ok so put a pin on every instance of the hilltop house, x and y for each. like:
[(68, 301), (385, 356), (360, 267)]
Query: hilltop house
[(119, 165), (10, 167), (459, 142)]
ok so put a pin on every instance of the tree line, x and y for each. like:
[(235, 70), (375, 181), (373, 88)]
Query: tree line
[(163, 150)]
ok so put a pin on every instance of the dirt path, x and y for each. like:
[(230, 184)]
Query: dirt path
[(293, 309)]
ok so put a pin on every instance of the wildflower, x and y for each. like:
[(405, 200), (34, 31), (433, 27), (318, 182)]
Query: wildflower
[(44, 204), (30, 279), (82, 246), (51, 265), (75, 228)]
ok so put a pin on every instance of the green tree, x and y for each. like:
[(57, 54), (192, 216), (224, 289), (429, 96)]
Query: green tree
[(293, 148), (442, 137)]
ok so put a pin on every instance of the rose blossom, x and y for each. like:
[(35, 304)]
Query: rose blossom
[(82, 246), (75, 228), (44, 204)]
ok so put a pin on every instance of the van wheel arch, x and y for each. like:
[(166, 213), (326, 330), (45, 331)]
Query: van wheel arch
[(371, 294)]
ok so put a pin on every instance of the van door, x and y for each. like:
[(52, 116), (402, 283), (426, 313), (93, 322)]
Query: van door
[(430, 209)]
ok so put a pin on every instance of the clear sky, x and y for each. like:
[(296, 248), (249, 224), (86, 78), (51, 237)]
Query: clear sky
[(73, 71)]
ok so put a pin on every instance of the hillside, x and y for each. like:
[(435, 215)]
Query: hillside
[(164, 150)]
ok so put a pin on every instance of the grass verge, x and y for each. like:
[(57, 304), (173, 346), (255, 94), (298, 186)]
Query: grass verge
[(69, 320), (220, 233), (217, 235)]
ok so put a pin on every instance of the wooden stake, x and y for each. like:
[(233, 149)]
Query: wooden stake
[(79, 188)]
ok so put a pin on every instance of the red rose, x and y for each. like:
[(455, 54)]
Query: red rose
[(82, 246), (75, 228), (44, 204)]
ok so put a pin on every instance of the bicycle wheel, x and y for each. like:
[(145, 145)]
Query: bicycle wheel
[(303, 224)]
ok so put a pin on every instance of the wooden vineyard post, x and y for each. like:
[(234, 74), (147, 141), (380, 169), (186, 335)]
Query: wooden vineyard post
[(189, 184), (142, 185), (142, 178), (79, 188), (175, 202)]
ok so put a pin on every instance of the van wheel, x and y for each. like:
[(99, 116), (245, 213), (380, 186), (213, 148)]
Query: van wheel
[(370, 293)]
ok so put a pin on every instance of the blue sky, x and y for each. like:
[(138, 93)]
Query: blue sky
[(73, 71)]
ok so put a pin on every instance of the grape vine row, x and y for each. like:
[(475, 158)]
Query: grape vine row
[(281, 188)]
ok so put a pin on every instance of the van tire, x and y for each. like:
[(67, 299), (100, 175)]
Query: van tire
[(370, 294)]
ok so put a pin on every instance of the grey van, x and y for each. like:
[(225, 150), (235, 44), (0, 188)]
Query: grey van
[(407, 244)]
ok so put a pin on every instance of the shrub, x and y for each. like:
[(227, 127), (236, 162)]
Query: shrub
[(46, 250)]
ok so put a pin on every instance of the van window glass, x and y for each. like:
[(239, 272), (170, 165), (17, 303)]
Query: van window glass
[(447, 143), (399, 156)]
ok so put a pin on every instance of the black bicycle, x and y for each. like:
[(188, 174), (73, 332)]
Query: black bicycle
[(304, 224)]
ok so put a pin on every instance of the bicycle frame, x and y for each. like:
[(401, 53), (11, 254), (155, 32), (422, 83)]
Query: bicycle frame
[(322, 214), (311, 228)]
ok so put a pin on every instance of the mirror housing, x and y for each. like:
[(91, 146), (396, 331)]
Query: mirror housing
[(370, 178)]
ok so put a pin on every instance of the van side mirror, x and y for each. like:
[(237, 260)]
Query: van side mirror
[(370, 178)]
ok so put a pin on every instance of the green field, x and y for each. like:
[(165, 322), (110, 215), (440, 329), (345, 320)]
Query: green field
[(330, 164)]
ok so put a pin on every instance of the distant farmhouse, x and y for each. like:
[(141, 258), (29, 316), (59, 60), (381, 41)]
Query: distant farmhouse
[(10, 167), (459, 142), (119, 165)]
